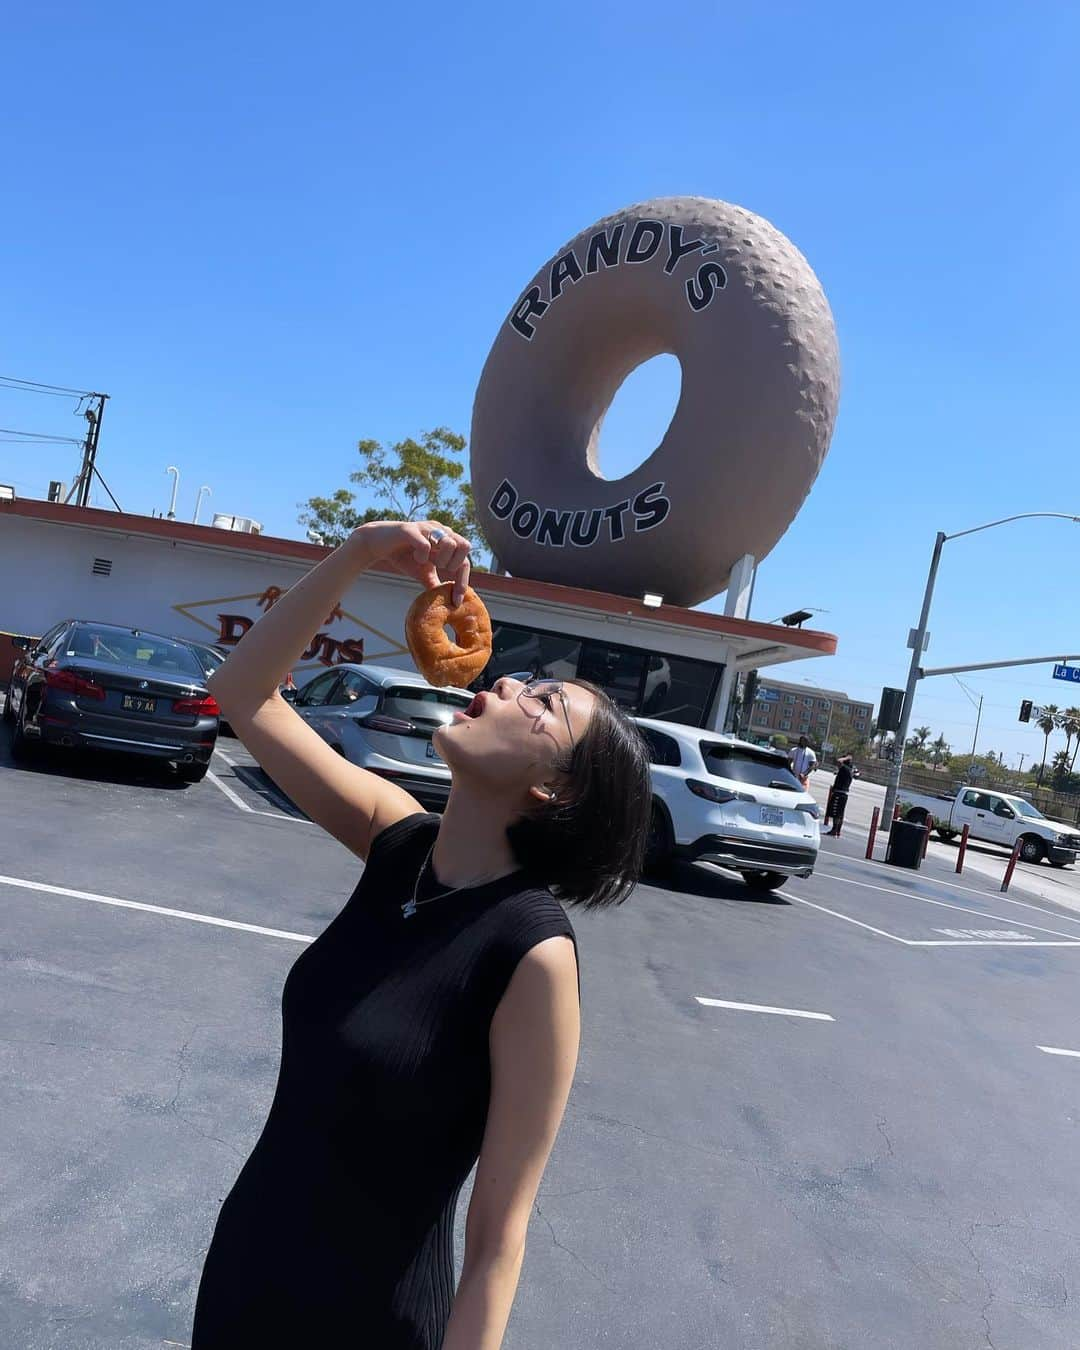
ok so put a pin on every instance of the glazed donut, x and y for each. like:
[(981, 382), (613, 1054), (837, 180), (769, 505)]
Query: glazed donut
[(736, 302), (439, 660)]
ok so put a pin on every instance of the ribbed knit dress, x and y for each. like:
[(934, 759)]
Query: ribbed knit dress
[(338, 1232)]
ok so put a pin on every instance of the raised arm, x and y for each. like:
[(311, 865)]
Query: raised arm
[(347, 801)]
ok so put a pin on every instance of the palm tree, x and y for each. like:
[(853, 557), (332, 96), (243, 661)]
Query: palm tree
[(1047, 723), (940, 750), (1071, 726), (917, 743), (1059, 771)]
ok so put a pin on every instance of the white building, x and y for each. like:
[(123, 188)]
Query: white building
[(209, 584)]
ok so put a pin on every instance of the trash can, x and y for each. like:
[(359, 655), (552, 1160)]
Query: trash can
[(907, 839)]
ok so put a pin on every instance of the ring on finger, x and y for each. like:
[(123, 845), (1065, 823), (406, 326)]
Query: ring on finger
[(436, 535)]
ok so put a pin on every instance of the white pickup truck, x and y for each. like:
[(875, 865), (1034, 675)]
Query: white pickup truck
[(997, 818)]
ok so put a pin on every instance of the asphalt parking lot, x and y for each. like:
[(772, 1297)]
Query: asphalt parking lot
[(845, 1116)]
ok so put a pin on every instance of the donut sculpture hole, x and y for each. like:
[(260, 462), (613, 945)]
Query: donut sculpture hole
[(638, 417), (737, 304), (440, 658)]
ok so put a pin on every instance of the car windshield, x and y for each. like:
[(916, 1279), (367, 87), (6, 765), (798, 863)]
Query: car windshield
[(740, 764), (1025, 808), (208, 658), (436, 706), (122, 647)]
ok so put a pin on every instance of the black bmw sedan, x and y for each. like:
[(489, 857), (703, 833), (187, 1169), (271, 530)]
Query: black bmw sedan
[(97, 685)]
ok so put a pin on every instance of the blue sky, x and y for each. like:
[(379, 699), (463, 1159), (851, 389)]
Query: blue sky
[(268, 232)]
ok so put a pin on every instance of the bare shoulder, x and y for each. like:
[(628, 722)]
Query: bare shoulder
[(542, 995)]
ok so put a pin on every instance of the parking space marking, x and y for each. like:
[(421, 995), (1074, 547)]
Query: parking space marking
[(847, 918), (763, 1008), (22, 884), (948, 904), (955, 886), (943, 942), (1053, 1050), (252, 810)]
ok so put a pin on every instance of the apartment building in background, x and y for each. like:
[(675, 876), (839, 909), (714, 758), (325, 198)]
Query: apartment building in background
[(795, 710)]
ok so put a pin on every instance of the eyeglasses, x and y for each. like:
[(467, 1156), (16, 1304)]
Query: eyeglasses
[(545, 693)]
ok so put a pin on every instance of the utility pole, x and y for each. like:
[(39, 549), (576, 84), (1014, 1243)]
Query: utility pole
[(80, 489), (978, 719)]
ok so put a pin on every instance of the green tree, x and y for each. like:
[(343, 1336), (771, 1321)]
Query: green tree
[(940, 750), (1047, 724), (409, 480), (917, 742)]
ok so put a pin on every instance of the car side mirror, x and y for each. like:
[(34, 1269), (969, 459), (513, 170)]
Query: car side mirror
[(23, 643), (289, 695)]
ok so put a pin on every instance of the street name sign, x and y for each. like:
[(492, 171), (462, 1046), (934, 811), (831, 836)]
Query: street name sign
[(1067, 673)]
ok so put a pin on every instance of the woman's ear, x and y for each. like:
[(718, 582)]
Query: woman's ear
[(543, 793)]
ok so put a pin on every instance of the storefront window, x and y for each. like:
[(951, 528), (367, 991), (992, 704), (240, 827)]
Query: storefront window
[(671, 688)]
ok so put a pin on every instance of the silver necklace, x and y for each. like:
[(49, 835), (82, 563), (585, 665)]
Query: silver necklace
[(409, 908)]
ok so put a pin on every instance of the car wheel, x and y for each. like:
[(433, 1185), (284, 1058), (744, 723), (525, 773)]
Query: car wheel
[(659, 845), (1032, 850), (22, 747), (764, 881), (947, 836), (192, 773)]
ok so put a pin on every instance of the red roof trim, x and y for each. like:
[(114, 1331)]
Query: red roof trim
[(516, 588)]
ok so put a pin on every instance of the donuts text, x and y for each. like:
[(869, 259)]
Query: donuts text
[(580, 528)]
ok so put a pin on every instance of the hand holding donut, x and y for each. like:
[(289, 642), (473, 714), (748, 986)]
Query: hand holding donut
[(423, 550)]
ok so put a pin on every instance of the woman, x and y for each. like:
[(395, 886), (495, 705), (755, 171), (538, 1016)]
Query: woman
[(435, 1022)]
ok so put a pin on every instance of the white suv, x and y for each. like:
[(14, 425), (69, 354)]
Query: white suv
[(721, 800)]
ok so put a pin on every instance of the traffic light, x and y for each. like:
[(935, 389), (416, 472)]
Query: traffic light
[(1025, 710), (890, 709)]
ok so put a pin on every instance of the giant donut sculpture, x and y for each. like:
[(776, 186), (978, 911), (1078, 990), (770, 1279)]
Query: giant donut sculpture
[(737, 303)]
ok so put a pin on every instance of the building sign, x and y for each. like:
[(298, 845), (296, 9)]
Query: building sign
[(226, 619), (739, 306)]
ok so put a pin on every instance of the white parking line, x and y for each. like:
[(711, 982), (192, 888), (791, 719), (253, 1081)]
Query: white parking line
[(954, 885), (948, 904), (762, 1008), (944, 942), (251, 810), (1053, 1050), (153, 909)]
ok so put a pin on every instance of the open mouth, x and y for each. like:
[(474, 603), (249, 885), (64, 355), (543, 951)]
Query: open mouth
[(475, 708)]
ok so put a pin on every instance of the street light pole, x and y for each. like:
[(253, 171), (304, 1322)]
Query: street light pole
[(893, 788)]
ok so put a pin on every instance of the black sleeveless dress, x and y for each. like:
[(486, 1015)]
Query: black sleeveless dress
[(339, 1229)]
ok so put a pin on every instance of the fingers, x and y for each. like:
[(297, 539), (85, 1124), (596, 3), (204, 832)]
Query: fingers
[(448, 555), (462, 580)]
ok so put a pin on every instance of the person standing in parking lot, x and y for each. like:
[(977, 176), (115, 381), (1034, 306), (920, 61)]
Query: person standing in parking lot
[(838, 794), (434, 1024), (803, 762)]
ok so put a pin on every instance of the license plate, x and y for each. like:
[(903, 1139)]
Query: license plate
[(138, 703), (429, 750), (772, 815)]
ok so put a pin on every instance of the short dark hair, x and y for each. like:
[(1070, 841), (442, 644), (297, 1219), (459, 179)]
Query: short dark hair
[(589, 844)]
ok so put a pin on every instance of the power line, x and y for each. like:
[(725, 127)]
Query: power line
[(34, 387), (33, 437)]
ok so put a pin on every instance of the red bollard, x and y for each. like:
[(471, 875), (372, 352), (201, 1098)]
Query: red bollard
[(873, 832), (896, 811), (1012, 866), (963, 849), (929, 832)]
